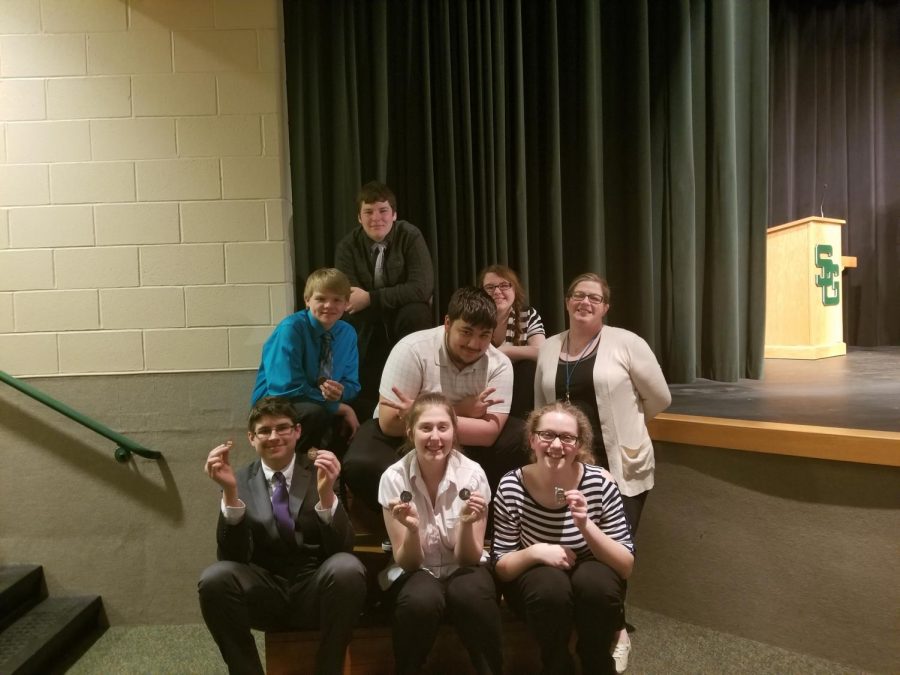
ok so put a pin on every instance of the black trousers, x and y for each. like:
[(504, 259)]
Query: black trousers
[(235, 597), (315, 421), (372, 451), (633, 506), (468, 598), (589, 597), (523, 388)]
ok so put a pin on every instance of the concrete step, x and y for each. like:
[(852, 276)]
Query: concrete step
[(43, 636), (21, 588)]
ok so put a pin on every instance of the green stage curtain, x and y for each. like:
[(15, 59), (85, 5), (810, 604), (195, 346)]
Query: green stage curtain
[(624, 138)]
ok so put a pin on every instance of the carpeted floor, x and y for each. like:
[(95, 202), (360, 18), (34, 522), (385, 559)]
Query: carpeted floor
[(661, 645)]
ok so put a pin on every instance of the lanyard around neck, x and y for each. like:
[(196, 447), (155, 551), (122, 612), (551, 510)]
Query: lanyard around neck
[(588, 348)]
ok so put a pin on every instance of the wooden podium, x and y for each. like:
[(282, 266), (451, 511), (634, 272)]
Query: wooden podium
[(803, 289)]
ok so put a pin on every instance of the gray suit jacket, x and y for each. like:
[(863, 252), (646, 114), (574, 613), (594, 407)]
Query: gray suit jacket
[(256, 539)]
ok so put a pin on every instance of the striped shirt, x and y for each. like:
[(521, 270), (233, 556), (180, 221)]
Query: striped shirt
[(520, 522), (530, 323)]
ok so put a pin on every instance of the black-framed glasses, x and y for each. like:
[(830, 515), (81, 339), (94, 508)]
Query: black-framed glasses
[(569, 440), (593, 298), (503, 286), (281, 430)]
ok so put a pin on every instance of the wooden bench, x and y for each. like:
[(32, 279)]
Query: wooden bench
[(371, 652)]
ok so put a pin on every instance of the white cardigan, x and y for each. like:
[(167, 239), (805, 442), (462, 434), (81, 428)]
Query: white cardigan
[(630, 389)]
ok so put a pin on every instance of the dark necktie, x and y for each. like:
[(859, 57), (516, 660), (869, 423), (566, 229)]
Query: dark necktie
[(280, 508), (326, 365), (378, 248)]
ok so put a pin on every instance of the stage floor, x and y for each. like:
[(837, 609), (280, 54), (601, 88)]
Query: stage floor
[(858, 391)]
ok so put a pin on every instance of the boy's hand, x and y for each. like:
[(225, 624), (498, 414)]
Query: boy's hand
[(332, 390), (359, 300), (476, 406), (351, 421), (218, 466)]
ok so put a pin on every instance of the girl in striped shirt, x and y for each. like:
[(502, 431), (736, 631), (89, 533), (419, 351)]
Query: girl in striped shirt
[(520, 329), (518, 334), (561, 543)]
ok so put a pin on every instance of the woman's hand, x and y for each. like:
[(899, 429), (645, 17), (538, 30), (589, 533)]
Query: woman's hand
[(577, 507), (474, 510), (554, 555), (405, 513)]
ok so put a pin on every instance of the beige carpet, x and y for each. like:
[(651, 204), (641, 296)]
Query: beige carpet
[(661, 645)]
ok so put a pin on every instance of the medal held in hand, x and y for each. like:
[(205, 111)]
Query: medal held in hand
[(464, 495)]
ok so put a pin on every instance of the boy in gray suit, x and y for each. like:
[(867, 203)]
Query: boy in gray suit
[(284, 543)]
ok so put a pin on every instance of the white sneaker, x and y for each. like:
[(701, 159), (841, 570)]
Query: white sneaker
[(620, 654)]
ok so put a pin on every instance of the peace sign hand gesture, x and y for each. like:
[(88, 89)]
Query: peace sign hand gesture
[(476, 406), (402, 405)]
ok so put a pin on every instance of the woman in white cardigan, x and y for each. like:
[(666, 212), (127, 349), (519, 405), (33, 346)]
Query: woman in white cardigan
[(612, 375)]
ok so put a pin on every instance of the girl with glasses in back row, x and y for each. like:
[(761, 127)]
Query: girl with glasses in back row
[(562, 545), (613, 377), (519, 332)]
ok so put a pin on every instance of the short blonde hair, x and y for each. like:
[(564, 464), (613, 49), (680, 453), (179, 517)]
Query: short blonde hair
[(585, 433), (327, 280)]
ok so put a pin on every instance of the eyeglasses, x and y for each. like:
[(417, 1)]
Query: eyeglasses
[(503, 286), (281, 430), (549, 436), (593, 298)]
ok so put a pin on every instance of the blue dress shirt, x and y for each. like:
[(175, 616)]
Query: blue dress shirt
[(290, 361)]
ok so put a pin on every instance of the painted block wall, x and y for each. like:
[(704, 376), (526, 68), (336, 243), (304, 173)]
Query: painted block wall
[(144, 188)]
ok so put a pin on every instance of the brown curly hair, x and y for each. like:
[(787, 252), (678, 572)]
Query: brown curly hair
[(585, 433)]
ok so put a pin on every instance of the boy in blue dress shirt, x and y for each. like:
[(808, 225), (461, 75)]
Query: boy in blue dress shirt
[(311, 358)]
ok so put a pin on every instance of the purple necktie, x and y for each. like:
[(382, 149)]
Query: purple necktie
[(280, 508)]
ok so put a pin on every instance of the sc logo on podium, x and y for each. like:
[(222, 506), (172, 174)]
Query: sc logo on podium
[(828, 279)]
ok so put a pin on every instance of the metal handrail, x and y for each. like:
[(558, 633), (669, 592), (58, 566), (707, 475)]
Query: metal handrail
[(126, 446)]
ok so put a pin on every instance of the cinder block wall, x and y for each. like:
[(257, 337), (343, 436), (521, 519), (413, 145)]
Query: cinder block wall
[(144, 199)]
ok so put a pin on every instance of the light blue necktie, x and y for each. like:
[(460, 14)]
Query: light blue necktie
[(379, 263)]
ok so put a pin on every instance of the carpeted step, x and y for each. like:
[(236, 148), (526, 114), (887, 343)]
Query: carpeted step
[(21, 588), (41, 636)]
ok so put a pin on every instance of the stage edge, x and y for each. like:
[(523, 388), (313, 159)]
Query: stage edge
[(800, 440)]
